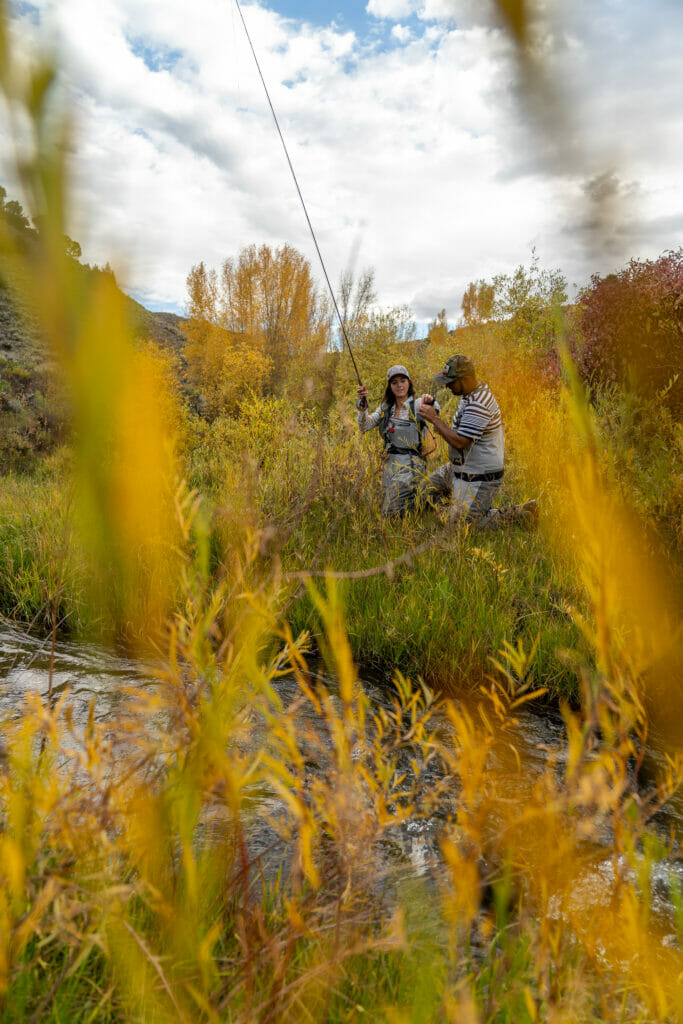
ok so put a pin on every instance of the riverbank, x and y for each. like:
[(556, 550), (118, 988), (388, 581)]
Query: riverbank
[(253, 835), (440, 614), (432, 601), (420, 596), (213, 848)]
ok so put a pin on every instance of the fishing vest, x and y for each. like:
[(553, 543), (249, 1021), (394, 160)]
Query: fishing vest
[(402, 436)]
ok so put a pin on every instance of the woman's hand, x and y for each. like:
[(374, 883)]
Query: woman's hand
[(362, 391)]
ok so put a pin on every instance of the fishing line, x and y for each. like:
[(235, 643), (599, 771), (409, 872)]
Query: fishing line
[(301, 198)]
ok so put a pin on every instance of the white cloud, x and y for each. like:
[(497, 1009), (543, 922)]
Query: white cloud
[(393, 10), (443, 10), (413, 139), (402, 33)]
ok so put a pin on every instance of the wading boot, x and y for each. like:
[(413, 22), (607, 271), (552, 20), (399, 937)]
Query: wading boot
[(527, 514)]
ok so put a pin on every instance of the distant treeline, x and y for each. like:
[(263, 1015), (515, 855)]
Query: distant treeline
[(260, 323)]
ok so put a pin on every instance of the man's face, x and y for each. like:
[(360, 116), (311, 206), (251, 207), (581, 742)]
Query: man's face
[(455, 386)]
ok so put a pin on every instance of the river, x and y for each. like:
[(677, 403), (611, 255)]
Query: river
[(94, 674)]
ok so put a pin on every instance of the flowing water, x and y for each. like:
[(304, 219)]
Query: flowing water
[(95, 675)]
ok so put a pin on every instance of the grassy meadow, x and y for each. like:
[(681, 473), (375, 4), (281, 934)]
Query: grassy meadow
[(421, 596), (216, 851)]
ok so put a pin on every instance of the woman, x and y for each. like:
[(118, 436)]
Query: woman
[(403, 432)]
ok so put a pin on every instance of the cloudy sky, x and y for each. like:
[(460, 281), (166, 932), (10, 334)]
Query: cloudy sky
[(418, 150)]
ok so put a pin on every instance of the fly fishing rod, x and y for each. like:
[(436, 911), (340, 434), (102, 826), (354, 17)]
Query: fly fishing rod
[(301, 198)]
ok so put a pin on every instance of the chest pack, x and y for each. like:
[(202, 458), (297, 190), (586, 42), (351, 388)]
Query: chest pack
[(403, 436)]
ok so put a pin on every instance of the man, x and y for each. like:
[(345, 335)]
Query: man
[(476, 448)]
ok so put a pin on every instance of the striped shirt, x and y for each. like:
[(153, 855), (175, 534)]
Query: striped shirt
[(478, 417)]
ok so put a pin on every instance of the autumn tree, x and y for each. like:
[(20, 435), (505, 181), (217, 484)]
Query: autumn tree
[(355, 300), (383, 338), (528, 306), (260, 323), (271, 298), (477, 303), (222, 363), (438, 329)]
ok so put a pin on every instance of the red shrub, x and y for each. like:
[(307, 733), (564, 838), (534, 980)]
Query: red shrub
[(632, 325)]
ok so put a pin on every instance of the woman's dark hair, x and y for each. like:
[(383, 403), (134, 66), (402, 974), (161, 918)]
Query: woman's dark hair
[(389, 394)]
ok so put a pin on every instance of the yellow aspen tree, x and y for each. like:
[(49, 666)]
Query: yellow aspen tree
[(260, 324), (438, 329)]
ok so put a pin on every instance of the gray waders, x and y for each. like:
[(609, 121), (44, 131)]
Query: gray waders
[(471, 495), (404, 466), (471, 498)]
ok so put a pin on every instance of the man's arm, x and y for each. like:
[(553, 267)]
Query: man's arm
[(429, 413)]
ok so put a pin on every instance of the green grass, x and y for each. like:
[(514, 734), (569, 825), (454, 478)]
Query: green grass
[(42, 569), (444, 615), (643, 445), (55, 986)]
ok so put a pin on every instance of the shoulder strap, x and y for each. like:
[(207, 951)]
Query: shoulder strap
[(384, 420)]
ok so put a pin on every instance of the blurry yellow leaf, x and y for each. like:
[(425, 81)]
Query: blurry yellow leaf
[(515, 16), (294, 916), (306, 847), (13, 866), (529, 696)]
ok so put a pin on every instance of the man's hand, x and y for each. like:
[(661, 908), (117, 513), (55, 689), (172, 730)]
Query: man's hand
[(429, 413), (427, 410)]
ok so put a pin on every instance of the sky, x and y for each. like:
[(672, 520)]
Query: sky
[(419, 150)]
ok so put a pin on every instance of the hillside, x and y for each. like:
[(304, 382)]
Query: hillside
[(33, 412), (164, 329)]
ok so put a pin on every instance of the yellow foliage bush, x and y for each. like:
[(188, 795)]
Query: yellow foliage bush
[(223, 366)]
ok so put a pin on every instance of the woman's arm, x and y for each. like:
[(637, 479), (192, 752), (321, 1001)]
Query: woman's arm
[(366, 420)]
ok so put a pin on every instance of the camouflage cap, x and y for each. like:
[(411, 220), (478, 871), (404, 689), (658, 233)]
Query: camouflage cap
[(456, 367)]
